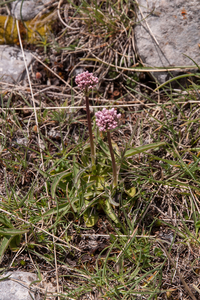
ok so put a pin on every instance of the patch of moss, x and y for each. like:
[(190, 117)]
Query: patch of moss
[(31, 31)]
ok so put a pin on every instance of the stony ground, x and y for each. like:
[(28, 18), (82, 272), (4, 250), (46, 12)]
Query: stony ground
[(157, 253)]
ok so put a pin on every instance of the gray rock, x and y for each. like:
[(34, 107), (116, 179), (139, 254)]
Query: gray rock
[(174, 30), (12, 68), (16, 287), (27, 9)]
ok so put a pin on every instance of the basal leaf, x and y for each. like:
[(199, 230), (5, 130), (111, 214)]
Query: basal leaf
[(61, 208), (109, 211), (104, 147), (11, 231), (4, 245), (131, 192), (144, 148), (90, 217), (14, 243), (57, 180)]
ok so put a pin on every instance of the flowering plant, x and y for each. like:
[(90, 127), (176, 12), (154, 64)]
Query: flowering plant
[(107, 119), (93, 181), (86, 81), (83, 189)]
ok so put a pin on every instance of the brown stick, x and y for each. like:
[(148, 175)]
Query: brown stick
[(113, 159), (90, 127)]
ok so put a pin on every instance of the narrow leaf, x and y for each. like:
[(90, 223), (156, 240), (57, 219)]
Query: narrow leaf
[(4, 245), (175, 78), (56, 181), (5, 221), (61, 208), (109, 211), (11, 231), (144, 148)]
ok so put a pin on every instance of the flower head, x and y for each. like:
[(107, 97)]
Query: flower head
[(107, 119), (86, 80)]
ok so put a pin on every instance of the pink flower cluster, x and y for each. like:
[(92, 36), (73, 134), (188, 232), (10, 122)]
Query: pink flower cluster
[(107, 119), (86, 80)]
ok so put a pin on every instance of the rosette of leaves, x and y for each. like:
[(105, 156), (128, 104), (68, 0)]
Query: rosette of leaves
[(83, 189)]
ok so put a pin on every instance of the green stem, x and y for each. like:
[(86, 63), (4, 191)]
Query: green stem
[(90, 128), (113, 160)]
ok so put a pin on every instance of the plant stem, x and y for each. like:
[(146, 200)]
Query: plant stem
[(90, 128), (113, 160)]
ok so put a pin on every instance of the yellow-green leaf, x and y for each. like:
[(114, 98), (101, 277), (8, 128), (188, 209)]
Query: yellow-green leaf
[(90, 217), (131, 192)]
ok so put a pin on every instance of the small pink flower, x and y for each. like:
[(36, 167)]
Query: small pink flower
[(86, 80), (107, 119)]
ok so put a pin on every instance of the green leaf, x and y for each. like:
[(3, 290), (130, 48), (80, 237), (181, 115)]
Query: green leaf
[(104, 147), (78, 175), (15, 242), (12, 242), (11, 231), (6, 277), (109, 211), (6, 222), (144, 148), (131, 192), (197, 224), (4, 245), (115, 147), (192, 61), (90, 217), (176, 78), (57, 180), (169, 162), (61, 208), (95, 180), (76, 168)]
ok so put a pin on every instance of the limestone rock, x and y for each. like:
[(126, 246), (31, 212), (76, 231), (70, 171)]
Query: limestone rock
[(16, 287), (27, 9), (12, 67), (174, 31)]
